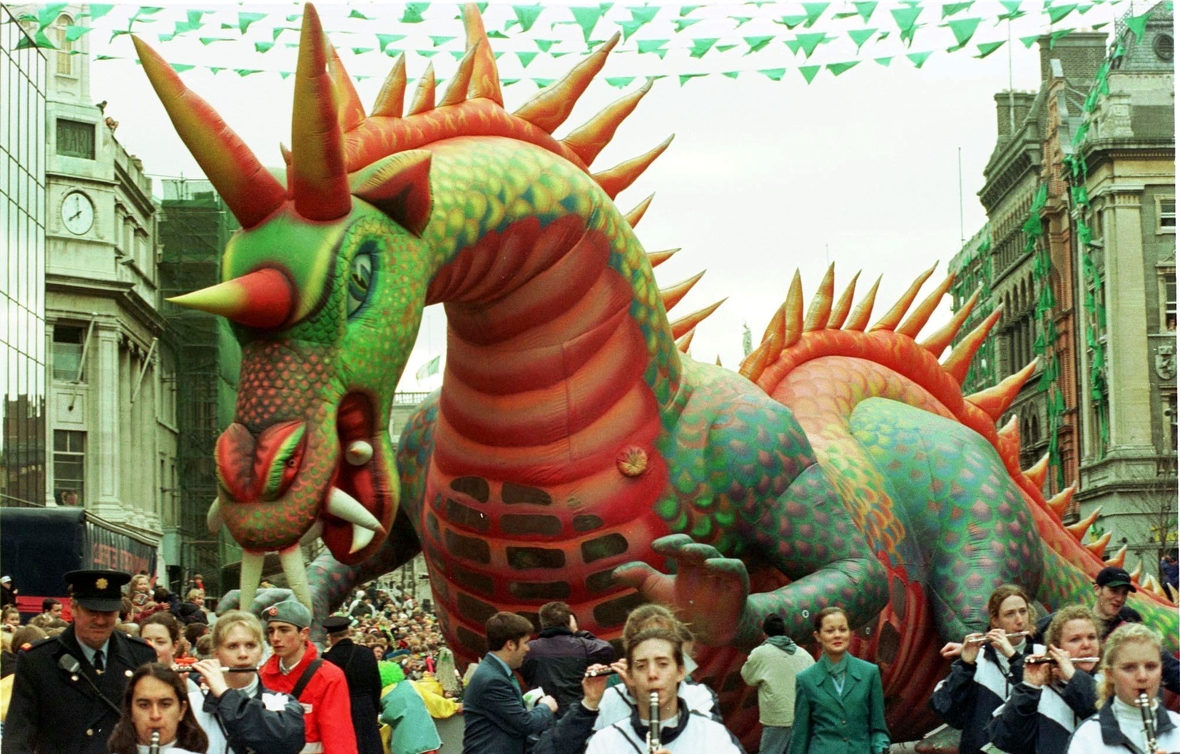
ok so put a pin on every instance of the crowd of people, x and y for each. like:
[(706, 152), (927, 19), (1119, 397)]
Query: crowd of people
[(137, 671)]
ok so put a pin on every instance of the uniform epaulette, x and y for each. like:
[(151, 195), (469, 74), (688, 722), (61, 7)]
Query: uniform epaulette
[(39, 642)]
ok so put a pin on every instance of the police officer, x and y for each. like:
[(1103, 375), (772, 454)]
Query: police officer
[(68, 689), (364, 682)]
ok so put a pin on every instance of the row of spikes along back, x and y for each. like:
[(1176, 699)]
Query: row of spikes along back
[(337, 148), (789, 326)]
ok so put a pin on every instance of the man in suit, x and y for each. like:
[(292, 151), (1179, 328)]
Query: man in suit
[(363, 679), (494, 714), (68, 689)]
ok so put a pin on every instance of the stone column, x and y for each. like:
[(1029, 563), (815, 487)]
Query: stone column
[(102, 443), (1126, 322)]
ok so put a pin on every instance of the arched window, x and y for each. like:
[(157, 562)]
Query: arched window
[(65, 45)]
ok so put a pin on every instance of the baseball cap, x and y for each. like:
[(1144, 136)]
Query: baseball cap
[(1114, 576)]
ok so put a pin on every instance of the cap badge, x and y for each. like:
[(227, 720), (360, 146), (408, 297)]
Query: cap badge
[(100, 584), (272, 611)]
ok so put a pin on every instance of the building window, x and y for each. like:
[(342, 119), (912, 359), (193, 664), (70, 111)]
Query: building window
[(69, 467), (67, 352), (1166, 212), (65, 46), (75, 139), (1169, 401), (1168, 298)]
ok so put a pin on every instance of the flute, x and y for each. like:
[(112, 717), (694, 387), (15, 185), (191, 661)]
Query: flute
[(1144, 705), (653, 723), (154, 746), (981, 638), (1042, 659)]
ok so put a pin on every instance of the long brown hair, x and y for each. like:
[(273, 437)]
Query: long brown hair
[(189, 734)]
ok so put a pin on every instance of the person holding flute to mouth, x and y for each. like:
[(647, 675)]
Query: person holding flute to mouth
[(237, 712), (989, 665), (1057, 691)]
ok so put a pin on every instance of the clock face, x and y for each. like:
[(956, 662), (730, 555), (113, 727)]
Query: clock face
[(77, 212)]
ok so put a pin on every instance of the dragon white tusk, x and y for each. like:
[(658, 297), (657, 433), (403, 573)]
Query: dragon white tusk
[(358, 453), (296, 573), (361, 537), (213, 519), (313, 533), (251, 576), (343, 505)]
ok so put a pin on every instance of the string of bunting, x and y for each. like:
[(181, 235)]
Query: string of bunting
[(681, 41)]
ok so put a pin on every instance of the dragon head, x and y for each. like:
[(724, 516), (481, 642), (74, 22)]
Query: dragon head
[(312, 283)]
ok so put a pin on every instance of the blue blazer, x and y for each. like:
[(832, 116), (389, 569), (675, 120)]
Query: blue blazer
[(494, 715), (831, 723)]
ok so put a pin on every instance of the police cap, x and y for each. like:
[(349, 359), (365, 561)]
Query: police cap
[(101, 591)]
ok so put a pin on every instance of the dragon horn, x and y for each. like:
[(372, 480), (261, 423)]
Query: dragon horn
[(844, 305), (860, 315), (995, 400), (792, 314), (1059, 503), (938, 342), (424, 94), (753, 365), (262, 299), (821, 305), (319, 180), (683, 344), (457, 90), (1136, 573), (635, 215), (1098, 546), (659, 257), (392, 96), (624, 174), (1038, 472), (485, 79), (553, 104), (351, 110), (957, 364), (1008, 440), (673, 293), (894, 315), (1118, 558), (249, 191), (1079, 529), (920, 316), (586, 142), (681, 326)]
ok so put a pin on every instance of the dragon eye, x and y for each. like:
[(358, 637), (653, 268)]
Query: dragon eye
[(360, 279)]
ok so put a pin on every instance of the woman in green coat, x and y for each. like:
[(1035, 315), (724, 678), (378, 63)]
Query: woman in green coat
[(839, 703)]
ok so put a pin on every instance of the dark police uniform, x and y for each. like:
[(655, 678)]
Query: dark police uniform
[(364, 685), (55, 711)]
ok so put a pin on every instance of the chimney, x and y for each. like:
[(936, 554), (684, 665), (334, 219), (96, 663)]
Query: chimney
[(1011, 109), (1080, 53)]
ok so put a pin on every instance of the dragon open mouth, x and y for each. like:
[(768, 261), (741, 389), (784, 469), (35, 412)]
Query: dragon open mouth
[(357, 500)]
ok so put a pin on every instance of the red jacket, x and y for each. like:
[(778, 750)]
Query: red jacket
[(327, 709)]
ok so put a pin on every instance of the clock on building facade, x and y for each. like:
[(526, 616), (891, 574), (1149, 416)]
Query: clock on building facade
[(77, 212)]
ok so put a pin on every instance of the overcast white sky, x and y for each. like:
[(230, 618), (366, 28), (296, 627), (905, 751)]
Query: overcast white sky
[(763, 177)]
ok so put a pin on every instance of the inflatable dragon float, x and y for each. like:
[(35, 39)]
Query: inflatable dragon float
[(574, 451)]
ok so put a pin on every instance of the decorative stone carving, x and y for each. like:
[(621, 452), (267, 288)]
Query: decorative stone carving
[(1165, 362)]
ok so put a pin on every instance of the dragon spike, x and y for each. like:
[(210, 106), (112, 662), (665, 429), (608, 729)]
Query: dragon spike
[(777, 325), (635, 215), (754, 364), (683, 344), (920, 316), (1009, 439), (586, 142), (1152, 585), (624, 174), (894, 315), (457, 89), (351, 109), (673, 294), (286, 153), (262, 299), (391, 98), (1118, 558), (938, 342), (319, 179), (659, 257), (792, 314), (718, 360), (1098, 546), (957, 364), (860, 315), (843, 306), (681, 326), (485, 79), (1136, 573), (1079, 529), (821, 305), (424, 94), (995, 400), (1038, 472), (248, 189), (1059, 503), (553, 104)]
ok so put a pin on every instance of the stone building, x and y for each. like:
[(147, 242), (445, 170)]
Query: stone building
[(112, 370)]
